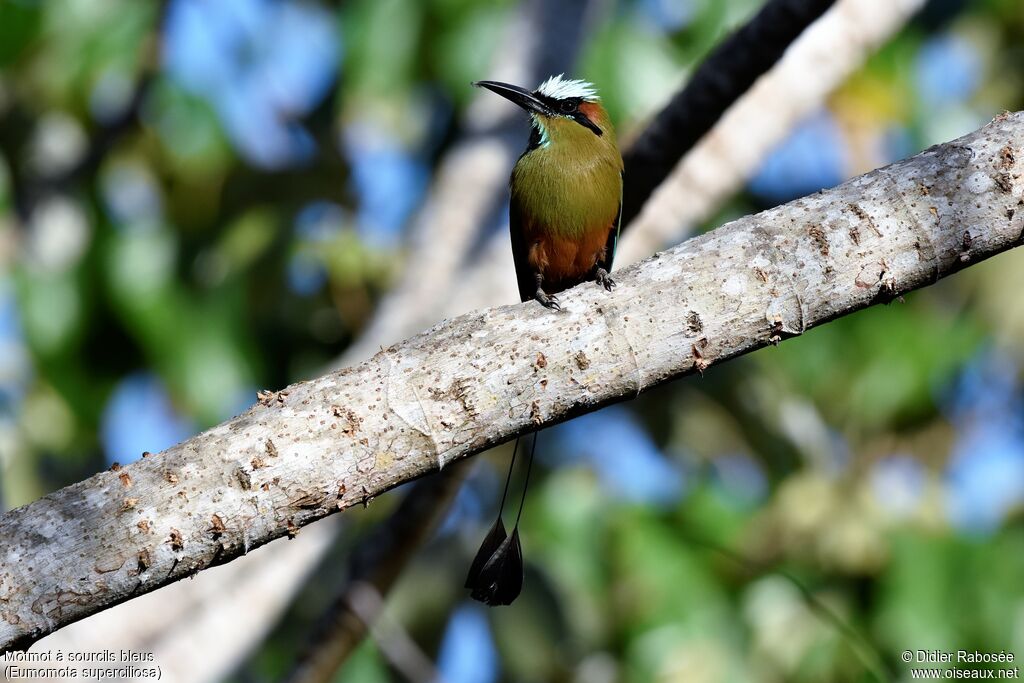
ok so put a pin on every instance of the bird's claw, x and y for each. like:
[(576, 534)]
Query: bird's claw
[(548, 300), (604, 279)]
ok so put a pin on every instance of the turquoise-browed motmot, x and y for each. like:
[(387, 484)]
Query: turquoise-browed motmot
[(564, 222)]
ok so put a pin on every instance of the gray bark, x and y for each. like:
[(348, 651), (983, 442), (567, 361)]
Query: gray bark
[(327, 444)]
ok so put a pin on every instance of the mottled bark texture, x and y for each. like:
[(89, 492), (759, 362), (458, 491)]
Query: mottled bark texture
[(469, 383)]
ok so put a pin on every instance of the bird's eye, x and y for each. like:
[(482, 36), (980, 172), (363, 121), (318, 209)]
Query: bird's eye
[(567, 106)]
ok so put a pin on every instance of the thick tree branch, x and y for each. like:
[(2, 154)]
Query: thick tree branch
[(480, 379)]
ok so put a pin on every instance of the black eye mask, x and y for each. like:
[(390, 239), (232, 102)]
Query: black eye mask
[(581, 118), (570, 108)]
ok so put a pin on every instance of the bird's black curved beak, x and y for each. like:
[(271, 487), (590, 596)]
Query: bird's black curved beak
[(521, 96)]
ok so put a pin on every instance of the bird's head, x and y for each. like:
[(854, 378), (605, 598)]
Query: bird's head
[(560, 108)]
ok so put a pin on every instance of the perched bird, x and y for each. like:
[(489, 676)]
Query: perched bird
[(566, 189), (564, 222)]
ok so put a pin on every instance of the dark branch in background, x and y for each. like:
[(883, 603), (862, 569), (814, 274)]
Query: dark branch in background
[(718, 82)]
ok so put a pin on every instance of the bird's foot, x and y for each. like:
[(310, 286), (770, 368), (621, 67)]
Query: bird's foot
[(604, 279), (547, 300)]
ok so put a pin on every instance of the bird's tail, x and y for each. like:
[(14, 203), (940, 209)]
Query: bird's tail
[(496, 574)]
